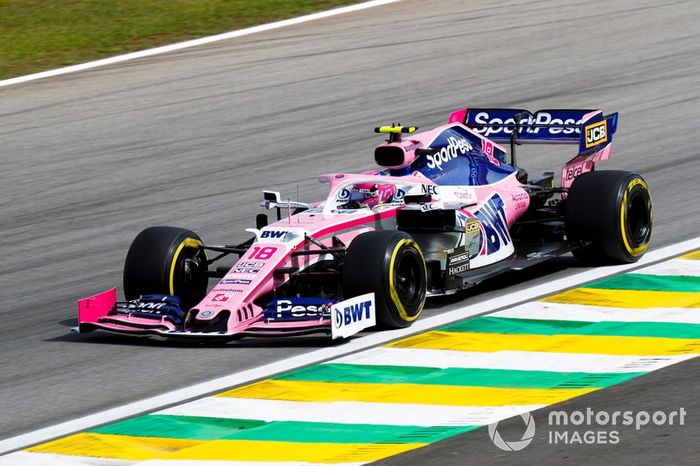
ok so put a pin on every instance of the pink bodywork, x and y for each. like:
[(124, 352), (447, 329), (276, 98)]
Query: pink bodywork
[(237, 291), (583, 163)]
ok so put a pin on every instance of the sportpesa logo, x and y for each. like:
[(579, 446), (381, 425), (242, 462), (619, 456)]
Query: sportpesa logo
[(288, 308), (540, 121), (455, 146)]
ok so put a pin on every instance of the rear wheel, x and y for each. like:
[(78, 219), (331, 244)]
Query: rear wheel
[(389, 264), (612, 210), (166, 260)]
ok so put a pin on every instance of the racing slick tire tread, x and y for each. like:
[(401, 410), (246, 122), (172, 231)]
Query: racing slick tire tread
[(391, 265), (155, 264), (613, 210)]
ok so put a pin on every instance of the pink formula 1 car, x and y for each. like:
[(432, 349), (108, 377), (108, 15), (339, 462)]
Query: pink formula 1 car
[(446, 209)]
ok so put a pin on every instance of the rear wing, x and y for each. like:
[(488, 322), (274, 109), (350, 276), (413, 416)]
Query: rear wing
[(590, 129)]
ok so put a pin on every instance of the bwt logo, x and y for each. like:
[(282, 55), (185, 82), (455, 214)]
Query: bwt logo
[(273, 234), (493, 218), (595, 134), (353, 313), (455, 146)]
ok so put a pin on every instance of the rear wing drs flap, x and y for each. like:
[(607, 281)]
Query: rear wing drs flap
[(590, 129)]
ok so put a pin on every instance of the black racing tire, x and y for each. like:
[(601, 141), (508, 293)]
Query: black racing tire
[(391, 265), (613, 210), (163, 260)]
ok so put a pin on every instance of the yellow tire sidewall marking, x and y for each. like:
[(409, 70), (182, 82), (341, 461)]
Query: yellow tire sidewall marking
[(186, 243), (392, 288), (638, 251)]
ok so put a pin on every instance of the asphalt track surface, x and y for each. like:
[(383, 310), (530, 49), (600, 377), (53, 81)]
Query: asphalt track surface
[(190, 139)]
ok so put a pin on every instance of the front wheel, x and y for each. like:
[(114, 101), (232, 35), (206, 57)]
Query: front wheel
[(169, 261), (389, 264), (612, 210)]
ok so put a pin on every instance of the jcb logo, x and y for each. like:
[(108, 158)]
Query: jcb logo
[(472, 227), (596, 134)]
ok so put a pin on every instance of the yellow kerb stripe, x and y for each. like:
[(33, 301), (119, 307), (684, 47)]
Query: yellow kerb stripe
[(145, 448), (114, 446), (626, 298), (491, 342), (401, 393), (258, 450), (695, 255)]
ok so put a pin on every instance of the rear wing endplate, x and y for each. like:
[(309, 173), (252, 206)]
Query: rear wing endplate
[(590, 129)]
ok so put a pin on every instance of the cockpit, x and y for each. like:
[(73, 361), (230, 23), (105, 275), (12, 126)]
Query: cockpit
[(368, 195)]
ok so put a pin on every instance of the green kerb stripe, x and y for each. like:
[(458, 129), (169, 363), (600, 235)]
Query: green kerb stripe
[(183, 427), (640, 282), (573, 327), (351, 373), (205, 428)]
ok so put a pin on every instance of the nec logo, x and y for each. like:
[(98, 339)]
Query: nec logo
[(353, 313), (595, 134), (274, 234), (429, 189)]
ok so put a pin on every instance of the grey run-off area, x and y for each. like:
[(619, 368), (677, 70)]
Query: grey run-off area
[(190, 139)]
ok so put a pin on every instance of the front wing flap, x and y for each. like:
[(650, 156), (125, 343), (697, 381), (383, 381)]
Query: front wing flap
[(344, 319)]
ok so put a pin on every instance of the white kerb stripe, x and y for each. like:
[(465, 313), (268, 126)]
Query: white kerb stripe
[(687, 267), (26, 458), (511, 360), (559, 311), (352, 412)]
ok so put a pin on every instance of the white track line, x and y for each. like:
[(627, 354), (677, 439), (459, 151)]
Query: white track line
[(197, 42), (313, 357), (511, 360), (24, 458), (687, 267), (347, 412), (541, 310)]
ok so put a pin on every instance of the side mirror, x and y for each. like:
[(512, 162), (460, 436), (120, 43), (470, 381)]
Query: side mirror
[(261, 221), (272, 196)]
